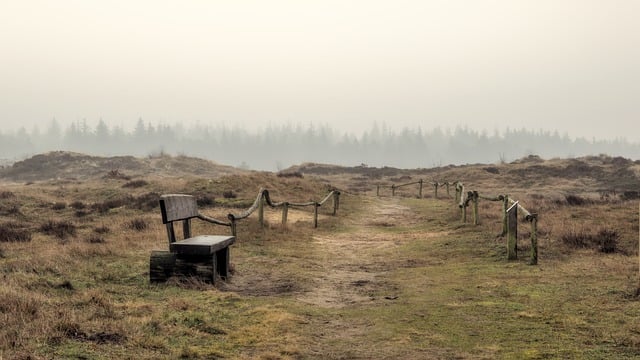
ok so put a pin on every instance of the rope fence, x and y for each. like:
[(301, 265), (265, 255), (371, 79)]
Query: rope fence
[(263, 198), (510, 209)]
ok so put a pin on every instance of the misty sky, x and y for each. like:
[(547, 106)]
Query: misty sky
[(570, 65)]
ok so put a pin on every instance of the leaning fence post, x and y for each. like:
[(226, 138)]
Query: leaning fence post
[(475, 208), (435, 185), (285, 212), (534, 239), (261, 211), (512, 234), (420, 191), (234, 231), (315, 215), (463, 207), (505, 206)]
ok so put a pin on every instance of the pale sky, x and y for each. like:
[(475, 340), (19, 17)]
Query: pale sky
[(570, 65)]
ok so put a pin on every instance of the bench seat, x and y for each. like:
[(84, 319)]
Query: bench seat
[(201, 244)]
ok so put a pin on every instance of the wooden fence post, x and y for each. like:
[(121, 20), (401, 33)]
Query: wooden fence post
[(378, 190), (315, 215), (475, 208), (234, 231), (261, 211), (435, 185), (512, 233), (457, 194), (505, 206), (448, 193), (285, 212), (336, 202), (393, 190), (534, 239), (420, 191)]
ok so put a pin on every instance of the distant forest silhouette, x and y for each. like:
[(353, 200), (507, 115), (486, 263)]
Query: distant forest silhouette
[(279, 146)]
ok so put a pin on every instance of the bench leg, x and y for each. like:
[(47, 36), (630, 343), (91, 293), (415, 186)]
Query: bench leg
[(223, 262), (214, 268)]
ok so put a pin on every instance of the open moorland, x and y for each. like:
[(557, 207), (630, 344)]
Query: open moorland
[(387, 277)]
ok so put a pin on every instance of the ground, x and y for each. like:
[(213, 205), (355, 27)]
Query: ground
[(387, 277)]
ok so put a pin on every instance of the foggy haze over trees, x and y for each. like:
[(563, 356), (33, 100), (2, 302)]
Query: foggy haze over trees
[(279, 146)]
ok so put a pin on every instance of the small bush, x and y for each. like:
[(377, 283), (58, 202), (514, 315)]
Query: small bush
[(112, 204), (102, 230), (78, 205), (290, 174), (630, 195), (205, 200), (116, 174), (138, 224), (146, 202), (14, 232), (575, 200), (59, 229), (96, 239), (492, 170), (59, 206), (81, 213), (6, 195), (576, 240), (135, 184), (605, 240), (229, 194)]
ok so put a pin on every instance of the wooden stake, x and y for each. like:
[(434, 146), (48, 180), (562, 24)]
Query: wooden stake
[(285, 213), (315, 215), (534, 240), (420, 192), (261, 211), (512, 233)]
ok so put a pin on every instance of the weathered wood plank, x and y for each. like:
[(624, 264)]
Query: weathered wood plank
[(512, 232), (177, 207), (202, 245)]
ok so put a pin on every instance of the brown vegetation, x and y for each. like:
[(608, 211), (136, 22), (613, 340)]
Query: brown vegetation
[(387, 278)]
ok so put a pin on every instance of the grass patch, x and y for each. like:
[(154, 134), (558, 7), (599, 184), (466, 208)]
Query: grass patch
[(58, 228)]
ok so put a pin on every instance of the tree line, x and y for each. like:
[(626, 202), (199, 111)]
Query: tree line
[(276, 147)]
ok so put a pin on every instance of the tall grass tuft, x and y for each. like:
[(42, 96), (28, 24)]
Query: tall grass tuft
[(60, 229)]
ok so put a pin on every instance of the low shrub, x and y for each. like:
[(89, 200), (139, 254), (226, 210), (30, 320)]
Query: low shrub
[(59, 229), (290, 174), (95, 239), (607, 240), (145, 202), (575, 200), (630, 195), (138, 224), (229, 194), (604, 240), (59, 206), (205, 200), (78, 205), (6, 195), (135, 184), (14, 232), (102, 230)]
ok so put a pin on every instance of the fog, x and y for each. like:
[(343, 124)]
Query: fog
[(562, 65)]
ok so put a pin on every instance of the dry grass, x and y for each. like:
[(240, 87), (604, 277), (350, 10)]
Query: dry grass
[(389, 278)]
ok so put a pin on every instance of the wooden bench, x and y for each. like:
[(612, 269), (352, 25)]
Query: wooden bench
[(204, 256)]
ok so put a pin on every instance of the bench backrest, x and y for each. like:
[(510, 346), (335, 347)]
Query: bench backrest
[(178, 207)]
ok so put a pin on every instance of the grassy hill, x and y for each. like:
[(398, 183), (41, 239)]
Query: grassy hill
[(389, 277)]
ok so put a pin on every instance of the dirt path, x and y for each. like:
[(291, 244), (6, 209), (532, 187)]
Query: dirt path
[(354, 262)]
